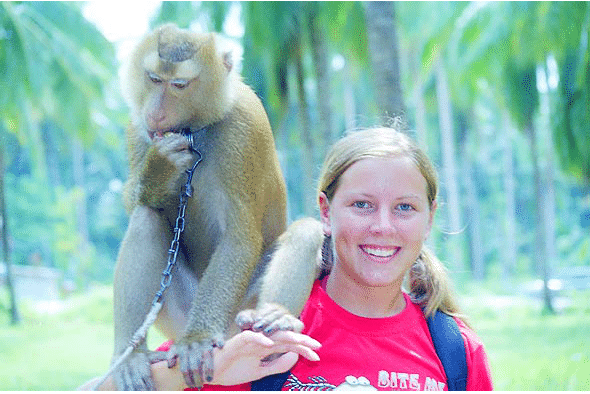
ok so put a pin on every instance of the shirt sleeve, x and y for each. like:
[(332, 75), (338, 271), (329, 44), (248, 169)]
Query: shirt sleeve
[(479, 377)]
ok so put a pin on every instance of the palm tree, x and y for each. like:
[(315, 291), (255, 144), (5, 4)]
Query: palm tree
[(55, 66)]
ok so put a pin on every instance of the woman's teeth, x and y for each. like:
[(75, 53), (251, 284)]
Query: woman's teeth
[(379, 252)]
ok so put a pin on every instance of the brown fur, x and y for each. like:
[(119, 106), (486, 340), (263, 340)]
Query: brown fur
[(237, 212)]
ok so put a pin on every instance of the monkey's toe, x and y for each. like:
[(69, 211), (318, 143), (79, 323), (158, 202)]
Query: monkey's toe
[(135, 374), (246, 319), (268, 319), (283, 323), (195, 360)]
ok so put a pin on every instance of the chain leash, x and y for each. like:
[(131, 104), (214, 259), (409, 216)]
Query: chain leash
[(185, 193)]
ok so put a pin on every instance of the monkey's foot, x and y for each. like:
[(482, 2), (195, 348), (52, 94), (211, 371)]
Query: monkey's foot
[(135, 373), (268, 319), (196, 359)]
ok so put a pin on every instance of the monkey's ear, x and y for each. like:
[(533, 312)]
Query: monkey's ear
[(228, 61)]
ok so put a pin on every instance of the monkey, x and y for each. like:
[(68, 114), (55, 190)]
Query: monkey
[(179, 82)]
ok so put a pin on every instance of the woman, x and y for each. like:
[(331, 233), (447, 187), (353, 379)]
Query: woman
[(377, 200)]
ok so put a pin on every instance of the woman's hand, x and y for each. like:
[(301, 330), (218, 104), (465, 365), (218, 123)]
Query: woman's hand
[(239, 361)]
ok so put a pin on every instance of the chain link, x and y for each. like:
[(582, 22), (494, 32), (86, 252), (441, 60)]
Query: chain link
[(185, 193)]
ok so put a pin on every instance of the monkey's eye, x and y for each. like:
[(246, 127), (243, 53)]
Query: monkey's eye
[(154, 77), (179, 83)]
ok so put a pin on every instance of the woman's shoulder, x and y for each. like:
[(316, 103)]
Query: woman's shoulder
[(480, 378), (472, 340)]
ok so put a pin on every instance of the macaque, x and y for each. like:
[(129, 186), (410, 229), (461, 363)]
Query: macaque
[(176, 81)]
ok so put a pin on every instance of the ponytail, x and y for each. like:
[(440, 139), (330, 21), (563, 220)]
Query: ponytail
[(430, 286)]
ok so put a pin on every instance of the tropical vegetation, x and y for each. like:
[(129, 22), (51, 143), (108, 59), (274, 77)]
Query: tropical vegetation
[(498, 93)]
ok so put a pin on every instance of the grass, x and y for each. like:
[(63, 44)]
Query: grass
[(527, 351), (59, 351)]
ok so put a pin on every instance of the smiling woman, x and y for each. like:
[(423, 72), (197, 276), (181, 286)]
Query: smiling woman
[(377, 198)]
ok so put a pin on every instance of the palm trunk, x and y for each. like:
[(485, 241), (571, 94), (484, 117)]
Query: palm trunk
[(449, 165), (548, 184), (320, 60), (473, 210), (421, 134), (539, 256), (383, 48), (14, 315), (308, 153), (349, 102), (510, 246), (80, 271)]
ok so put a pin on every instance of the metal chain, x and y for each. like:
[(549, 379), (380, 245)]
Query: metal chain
[(185, 193)]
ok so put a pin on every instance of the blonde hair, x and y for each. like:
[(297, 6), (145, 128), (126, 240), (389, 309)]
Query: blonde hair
[(428, 281)]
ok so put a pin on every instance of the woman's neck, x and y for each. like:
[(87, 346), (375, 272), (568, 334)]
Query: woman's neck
[(364, 301)]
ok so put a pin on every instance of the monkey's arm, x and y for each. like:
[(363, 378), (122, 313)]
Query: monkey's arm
[(157, 170), (296, 259), (142, 258), (137, 153), (296, 263), (226, 279), (221, 289)]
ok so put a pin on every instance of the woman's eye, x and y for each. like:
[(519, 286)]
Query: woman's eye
[(405, 207), (361, 204)]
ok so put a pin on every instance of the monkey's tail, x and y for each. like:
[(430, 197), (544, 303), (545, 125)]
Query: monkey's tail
[(137, 338)]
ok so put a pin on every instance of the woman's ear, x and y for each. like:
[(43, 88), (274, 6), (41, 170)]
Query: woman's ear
[(433, 207), (325, 213)]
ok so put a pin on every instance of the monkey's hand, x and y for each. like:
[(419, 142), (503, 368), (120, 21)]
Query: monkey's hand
[(268, 319), (163, 174), (196, 359), (135, 372)]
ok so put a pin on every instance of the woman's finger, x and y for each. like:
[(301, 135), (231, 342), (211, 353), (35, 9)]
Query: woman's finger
[(295, 339)]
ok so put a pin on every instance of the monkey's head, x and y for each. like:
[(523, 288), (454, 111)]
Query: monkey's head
[(176, 78)]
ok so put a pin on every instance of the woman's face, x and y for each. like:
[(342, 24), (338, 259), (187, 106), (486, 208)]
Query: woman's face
[(378, 218)]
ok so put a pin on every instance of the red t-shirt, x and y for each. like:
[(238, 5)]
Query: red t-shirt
[(392, 353)]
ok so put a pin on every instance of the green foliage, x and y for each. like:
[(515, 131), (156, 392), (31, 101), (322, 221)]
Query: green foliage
[(61, 73), (58, 67), (522, 96), (180, 12), (58, 73), (345, 19), (571, 117)]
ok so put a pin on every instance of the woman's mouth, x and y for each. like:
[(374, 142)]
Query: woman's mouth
[(380, 251)]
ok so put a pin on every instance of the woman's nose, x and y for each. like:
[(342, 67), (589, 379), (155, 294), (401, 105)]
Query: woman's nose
[(384, 222)]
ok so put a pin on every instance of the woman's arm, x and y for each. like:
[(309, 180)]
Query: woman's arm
[(239, 361)]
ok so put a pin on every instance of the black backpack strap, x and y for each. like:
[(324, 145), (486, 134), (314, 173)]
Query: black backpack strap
[(450, 349), (271, 382)]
